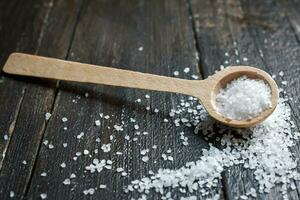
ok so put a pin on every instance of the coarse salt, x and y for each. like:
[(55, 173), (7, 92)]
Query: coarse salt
[(243, 98)]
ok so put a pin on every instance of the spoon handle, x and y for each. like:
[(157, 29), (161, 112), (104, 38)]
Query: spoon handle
[(43, 67)]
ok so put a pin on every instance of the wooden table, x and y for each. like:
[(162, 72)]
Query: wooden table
[(174, 34)]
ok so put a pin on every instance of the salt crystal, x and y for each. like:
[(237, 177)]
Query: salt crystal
[(65, 145), (47, 116), (145, 158), (44, 174), (67, 181), (11, 194), (86, 152), (63, 165), (195, 76), (244, 98), (245, 59), (118, 128), (90, 191), (176, 73), (43, 196), (73, 175), (80, 135), (106, 147), (186, 70), (97, 123), (141, 48), (119, 169), (102, 186), (147, 96), (5, 137), (64, 119), (281, 73)]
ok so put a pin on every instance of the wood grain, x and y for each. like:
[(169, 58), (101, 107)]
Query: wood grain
[(32, 27), (102, 38)]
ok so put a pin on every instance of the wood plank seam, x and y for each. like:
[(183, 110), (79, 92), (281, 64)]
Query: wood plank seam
[(12, 126), (192, 21), (54, 102)]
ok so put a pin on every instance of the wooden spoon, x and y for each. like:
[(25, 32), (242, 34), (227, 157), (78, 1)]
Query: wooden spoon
[(206, 90)]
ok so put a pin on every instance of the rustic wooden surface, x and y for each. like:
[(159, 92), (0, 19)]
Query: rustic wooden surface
[(109, 33)]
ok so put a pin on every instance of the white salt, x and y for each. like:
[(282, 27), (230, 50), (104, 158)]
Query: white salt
[(97, 123), (67, 181), (43, 196), (47, 116), (243, 98), (11, 194), (186, 70)]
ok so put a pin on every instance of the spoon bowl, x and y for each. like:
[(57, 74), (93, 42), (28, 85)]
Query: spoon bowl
[(219, 81), (206, 90)]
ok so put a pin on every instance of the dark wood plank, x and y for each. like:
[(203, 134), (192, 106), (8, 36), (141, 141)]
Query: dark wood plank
[(110, 33), (42, 27), (259, 31)]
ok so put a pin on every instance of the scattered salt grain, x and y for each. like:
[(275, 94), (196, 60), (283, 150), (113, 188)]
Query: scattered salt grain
[(11, 194), (176, 73), (244, 98), (119, 169), (145, 158), (63, 165), (64, 119), (47, 116), (147, 96), (24, 162), (43, 196), (102, 186), (86, 152), (106, 147), (245, 59), (127, 137), (97, 123), (195, 76), (65, 145), (118, 128), (281, 73), (186, 70), (5, 137), (80, 135), (170, 158), (90, 191), (44, 174), (73, 175), (141, 48), (51, 146), (67, 181), (136, 127)]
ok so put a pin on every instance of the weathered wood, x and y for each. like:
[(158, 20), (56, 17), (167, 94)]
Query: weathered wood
[(259, 31), (110, 33), (43, 27)]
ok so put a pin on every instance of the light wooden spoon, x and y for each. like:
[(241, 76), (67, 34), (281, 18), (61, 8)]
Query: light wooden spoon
[(206, 90)]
